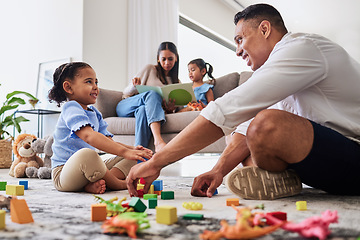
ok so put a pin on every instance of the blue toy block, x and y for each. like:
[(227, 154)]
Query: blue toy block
[(25, 184), (158, 185), (216, 192)]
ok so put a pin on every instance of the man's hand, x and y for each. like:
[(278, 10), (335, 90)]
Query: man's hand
[(144, 170), (206, 184), (133, 154)]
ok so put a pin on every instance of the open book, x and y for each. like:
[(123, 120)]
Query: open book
[(181, 92)]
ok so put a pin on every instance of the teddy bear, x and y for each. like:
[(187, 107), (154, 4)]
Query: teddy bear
[(25, 156), (42, 146)]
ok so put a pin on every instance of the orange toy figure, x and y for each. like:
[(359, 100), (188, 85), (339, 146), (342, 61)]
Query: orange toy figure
[(243, 229)]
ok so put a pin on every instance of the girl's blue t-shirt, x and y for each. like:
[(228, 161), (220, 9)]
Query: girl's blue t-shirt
[(200, 92), (71, 119)]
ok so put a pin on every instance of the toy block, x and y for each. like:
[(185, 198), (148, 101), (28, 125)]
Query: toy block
[(142, 181), (25, 184), (192, 216), (232, 201), (216, 192), (19, 211), (301, 205), (148, 196), (98, 212), (279, 215), (15, 190), (3, 186), (137, 204), (151, 190), (166, 195), (152, 203), (192, 205), (157, 192), (140, 193), (166, 215), (140, 186), (158, 185), (2, 219)]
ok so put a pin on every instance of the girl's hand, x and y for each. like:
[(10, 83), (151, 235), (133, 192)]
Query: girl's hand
[(170, 106), (202, 104), (136, 81), (139, 147), (137, 155)]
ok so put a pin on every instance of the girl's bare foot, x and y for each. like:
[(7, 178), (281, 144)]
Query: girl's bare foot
[(97, 187), (159, 146)]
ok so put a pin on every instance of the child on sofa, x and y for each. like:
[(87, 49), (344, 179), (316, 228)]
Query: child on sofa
[(198, 68), (76, 166)]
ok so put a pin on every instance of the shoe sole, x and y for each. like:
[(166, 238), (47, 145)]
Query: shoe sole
[(257, 184)]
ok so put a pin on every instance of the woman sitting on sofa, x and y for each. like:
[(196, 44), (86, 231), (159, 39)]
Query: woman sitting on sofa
[(147, 107)]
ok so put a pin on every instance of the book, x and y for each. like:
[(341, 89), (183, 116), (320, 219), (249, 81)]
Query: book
[(181, 92)]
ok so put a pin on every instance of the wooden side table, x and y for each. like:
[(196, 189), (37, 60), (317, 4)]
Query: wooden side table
[(40, 114)]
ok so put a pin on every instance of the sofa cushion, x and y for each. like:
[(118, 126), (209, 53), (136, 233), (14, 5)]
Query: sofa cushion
[(107, 101), (226, 83), (175, 122)]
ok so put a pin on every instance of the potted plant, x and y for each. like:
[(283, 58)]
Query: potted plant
[(7, 119)]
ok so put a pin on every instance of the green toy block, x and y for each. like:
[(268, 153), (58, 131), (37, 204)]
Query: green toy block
[(137, 204), (148, 196), (166, 195), (152, 203), (3, 186), (191, 216)]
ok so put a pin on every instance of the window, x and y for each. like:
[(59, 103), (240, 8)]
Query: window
[(192, 45)]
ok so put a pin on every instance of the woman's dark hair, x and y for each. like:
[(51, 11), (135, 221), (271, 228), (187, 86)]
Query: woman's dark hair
[(261, 12), (65, 71), (209, 69), (174, 72)]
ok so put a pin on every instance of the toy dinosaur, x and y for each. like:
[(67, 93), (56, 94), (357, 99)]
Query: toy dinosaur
[(127, 222), (112, 208), (5, 202)]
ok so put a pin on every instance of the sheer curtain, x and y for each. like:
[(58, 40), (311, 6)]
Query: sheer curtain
[(150, 22)]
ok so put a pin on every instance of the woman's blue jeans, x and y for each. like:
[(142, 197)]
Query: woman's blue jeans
[(146, 108)]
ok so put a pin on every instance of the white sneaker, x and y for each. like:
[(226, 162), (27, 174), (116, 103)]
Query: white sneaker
[(258, 184)]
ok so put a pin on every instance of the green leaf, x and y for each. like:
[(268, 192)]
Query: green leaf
[(20, 92), (6, 108), (15, 100)]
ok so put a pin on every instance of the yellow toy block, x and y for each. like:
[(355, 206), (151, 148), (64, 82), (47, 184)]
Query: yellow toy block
[(301, 205), (140, 186), (98, 212), (232, 201), (19, 211), (2, 219), (151, 190), (15, 190), (166, 215)]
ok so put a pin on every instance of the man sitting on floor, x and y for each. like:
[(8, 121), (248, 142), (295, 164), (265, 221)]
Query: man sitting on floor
[(304, 100)]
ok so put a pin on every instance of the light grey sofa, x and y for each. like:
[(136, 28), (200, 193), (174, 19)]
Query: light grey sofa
[(124, 128)]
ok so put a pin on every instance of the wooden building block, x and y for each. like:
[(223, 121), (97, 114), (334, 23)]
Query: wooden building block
[(152, 203), (193, 216), (140, 186), (166, 215), (3, 186), (98, 212), (157, 192), (158, 185), (19, 211), (151, 189), (166, 195), (25, 184), (2, 219), (15, 190), (232, 201), (137, 204), (148, 196), (301, 205)]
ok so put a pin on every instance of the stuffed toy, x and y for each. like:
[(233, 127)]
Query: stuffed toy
[(25, 156), (42, 146)]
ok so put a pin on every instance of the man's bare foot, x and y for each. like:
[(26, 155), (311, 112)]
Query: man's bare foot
[(97, 187), (159, 146)]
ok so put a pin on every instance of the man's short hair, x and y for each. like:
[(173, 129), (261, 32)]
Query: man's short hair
[(261, 12)]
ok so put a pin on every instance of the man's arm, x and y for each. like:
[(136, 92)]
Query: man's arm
[(197, 135), (235, 153)]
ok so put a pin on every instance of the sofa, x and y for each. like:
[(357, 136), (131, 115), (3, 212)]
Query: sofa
[(124, 128)]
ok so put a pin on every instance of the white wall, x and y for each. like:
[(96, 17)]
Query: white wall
[(105, 41)]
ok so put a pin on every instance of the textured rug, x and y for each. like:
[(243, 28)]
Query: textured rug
[(59, 215)]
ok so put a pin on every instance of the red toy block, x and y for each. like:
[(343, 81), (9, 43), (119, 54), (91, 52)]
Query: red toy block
[(279, 215), (140, 193), (19, 211), (142, 181), (98, 212)]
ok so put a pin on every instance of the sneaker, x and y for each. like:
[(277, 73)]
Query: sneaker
[(258, 184)]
